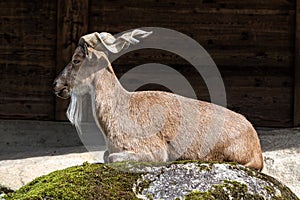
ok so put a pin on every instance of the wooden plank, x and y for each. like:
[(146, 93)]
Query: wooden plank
[(27, 52), (297, 67), (72, 23), (243, 58), (189, 12), (38, 109), (202, 4)]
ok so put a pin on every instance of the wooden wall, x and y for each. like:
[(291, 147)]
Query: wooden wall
[(27, 59), (251, 41)]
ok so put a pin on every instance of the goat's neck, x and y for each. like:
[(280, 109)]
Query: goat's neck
[(109, 95)]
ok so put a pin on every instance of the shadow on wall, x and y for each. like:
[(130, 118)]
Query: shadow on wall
[(24, 139), (279, 139)]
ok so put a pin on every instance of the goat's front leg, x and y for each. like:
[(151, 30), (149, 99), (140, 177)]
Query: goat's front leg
[(105, 156), (122, 156), (140, 156)]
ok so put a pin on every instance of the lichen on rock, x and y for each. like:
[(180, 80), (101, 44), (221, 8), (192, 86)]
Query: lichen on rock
[(184, 181), (177, 180)]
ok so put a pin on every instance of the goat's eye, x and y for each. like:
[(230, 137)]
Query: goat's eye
[(75, 62)]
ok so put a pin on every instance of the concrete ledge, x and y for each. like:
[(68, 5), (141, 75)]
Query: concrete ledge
[(281, 151)]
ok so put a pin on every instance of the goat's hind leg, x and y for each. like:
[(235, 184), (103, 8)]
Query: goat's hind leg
[(256, 162)]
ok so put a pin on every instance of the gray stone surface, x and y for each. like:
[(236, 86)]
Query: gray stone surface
[(32, 148), (178, 180)]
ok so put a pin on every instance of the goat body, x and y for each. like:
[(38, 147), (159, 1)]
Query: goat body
[(161, 126)]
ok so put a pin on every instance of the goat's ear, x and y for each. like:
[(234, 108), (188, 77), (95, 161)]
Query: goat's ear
[(84, 48), (98, 58), (94, 57)]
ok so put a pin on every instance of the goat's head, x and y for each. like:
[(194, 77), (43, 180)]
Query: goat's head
[(78, 75)]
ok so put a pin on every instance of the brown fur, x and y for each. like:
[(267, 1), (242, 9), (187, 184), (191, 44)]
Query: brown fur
[(150, 125)]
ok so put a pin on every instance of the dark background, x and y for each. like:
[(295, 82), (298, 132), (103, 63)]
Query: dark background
[(253, 42)]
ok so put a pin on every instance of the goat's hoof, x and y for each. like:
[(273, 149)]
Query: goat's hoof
[(122, 156), (105, 156)]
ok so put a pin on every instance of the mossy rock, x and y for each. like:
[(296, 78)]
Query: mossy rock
[(177, 180)]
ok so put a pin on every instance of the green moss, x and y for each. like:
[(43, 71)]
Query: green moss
[(80, 182), (116, 180), (133, 166), (229, 188), (237, 190), (286, 193), (150, 197)]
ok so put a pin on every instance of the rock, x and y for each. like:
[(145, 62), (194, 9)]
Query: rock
[(177, 180)]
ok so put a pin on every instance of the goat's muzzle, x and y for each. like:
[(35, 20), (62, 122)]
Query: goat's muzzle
[(60, 90)]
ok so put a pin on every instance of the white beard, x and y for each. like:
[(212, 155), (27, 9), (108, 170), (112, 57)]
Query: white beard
[(74, 112)]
